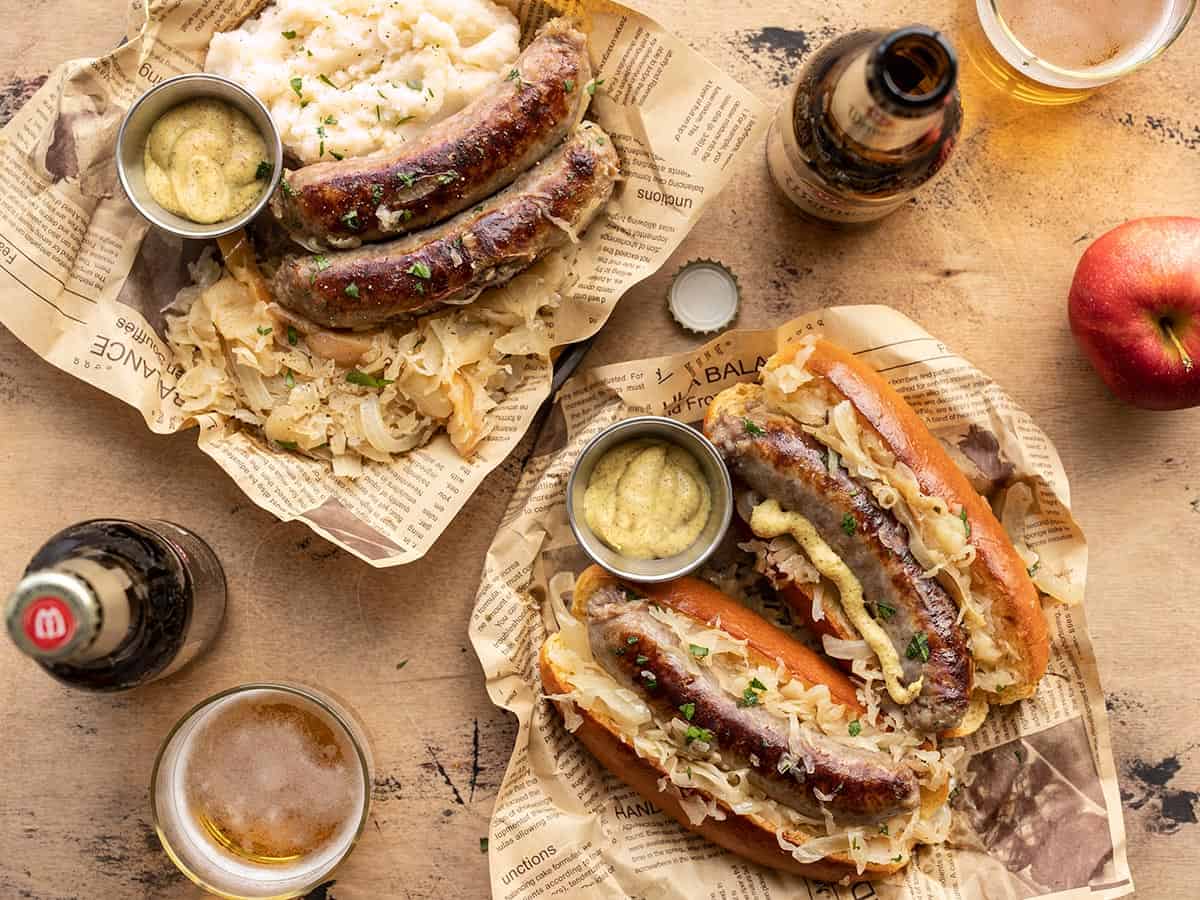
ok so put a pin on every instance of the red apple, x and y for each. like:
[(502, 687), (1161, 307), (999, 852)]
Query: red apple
[(1135, 310)]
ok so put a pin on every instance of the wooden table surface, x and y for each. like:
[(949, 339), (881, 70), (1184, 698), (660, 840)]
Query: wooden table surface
[(983, 259)]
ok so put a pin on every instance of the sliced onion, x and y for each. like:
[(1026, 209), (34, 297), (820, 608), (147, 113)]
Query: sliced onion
[(840, 649), (376, 431), (252, 383)]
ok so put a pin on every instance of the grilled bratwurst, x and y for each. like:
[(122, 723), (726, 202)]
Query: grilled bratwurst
[(776, 458), (458, 162), (451, 264)]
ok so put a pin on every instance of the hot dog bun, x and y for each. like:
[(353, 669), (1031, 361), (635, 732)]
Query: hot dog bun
[(748, 835), (998, 578)]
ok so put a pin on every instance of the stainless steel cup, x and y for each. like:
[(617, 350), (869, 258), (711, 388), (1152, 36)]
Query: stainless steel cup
[(131, 147)]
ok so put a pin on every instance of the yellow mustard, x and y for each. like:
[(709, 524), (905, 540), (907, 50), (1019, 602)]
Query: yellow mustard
[(205, 161), (770, 520), (647, 499)]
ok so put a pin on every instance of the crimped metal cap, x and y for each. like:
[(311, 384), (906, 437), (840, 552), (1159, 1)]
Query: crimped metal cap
[(704, 296)]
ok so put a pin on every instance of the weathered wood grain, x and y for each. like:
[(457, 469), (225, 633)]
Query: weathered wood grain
[(983, 259)]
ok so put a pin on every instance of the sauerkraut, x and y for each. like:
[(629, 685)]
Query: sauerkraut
[(691, 766), (938, 535), (350, 398)]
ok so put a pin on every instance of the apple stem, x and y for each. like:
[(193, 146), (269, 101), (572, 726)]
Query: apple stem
[(1165, 325)]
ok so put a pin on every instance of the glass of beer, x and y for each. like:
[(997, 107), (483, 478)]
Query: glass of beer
[(262, 790), (1058, 51)]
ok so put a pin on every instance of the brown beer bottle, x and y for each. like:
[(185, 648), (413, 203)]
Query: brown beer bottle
[(109, 604), (873, 116)]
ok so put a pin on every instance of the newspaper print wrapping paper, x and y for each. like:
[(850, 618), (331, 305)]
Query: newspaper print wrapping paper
[(85, 279), (1039, 814)]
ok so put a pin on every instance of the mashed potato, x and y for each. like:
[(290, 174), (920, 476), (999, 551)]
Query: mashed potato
[(360, 77)]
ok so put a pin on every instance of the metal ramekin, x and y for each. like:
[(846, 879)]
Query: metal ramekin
[(131, 147), (652, 570)]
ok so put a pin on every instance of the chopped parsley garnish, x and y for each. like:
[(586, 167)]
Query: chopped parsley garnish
[(483, 845), (362, 379), (264, 169), (329, 120), (1032, 570), (400, 665), (854, 728), (753, 429), (377, 193), (593, 85), (420, 270), (749, 698), (632, 639), (288, 190), (918, 647), (698, 734), (884, 611), (320, 131), (447, 177), (688, 709), (289, 379), (651, 681), (405, 215), (351, 219), (290, 35), (408, 179), (883, 829), (619, 651), (351, 291), (697, 651), (414, 84), (641, 660), (336, 155), (304, 103), (264, 331), (287, 445), (513, 75), (420, 288), (297, 84), (322, 262), (293, 336), (757, 685), (897, 858), (325, 78), (848, 524), (628, 594), (569, 85), (966, 525)]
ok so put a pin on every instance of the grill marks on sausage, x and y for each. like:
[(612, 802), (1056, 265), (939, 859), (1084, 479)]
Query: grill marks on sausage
[(458, 162), (452, 263), (791, 466), (644, 655)]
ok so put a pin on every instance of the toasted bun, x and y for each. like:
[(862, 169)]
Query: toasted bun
[(748, 836), (998, 573)]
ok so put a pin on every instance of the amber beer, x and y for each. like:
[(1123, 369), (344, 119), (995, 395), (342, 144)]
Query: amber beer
[(1054, 52), (262, 790), (873, 116)]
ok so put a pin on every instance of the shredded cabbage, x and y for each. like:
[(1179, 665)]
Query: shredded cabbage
[(246, 359), (937, 537)]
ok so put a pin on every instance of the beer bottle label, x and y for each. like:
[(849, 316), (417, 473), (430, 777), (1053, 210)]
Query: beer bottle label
[(806, 191)]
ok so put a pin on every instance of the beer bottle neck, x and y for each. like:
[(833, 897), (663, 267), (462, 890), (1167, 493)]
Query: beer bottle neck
[(77, 611), (894, 93)]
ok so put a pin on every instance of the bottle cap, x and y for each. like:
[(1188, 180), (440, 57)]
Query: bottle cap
[(52, 615), (704, 296)]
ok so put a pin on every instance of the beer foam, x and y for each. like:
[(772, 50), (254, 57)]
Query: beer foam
[(272, 777), (267, 789), (1087, 35)]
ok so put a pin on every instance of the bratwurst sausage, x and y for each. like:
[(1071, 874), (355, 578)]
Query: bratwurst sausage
[(644, 655), (776, 458), (485, 247), (453, 165)]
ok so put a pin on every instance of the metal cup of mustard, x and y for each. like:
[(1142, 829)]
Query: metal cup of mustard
[(170, 95), (676, 502)]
